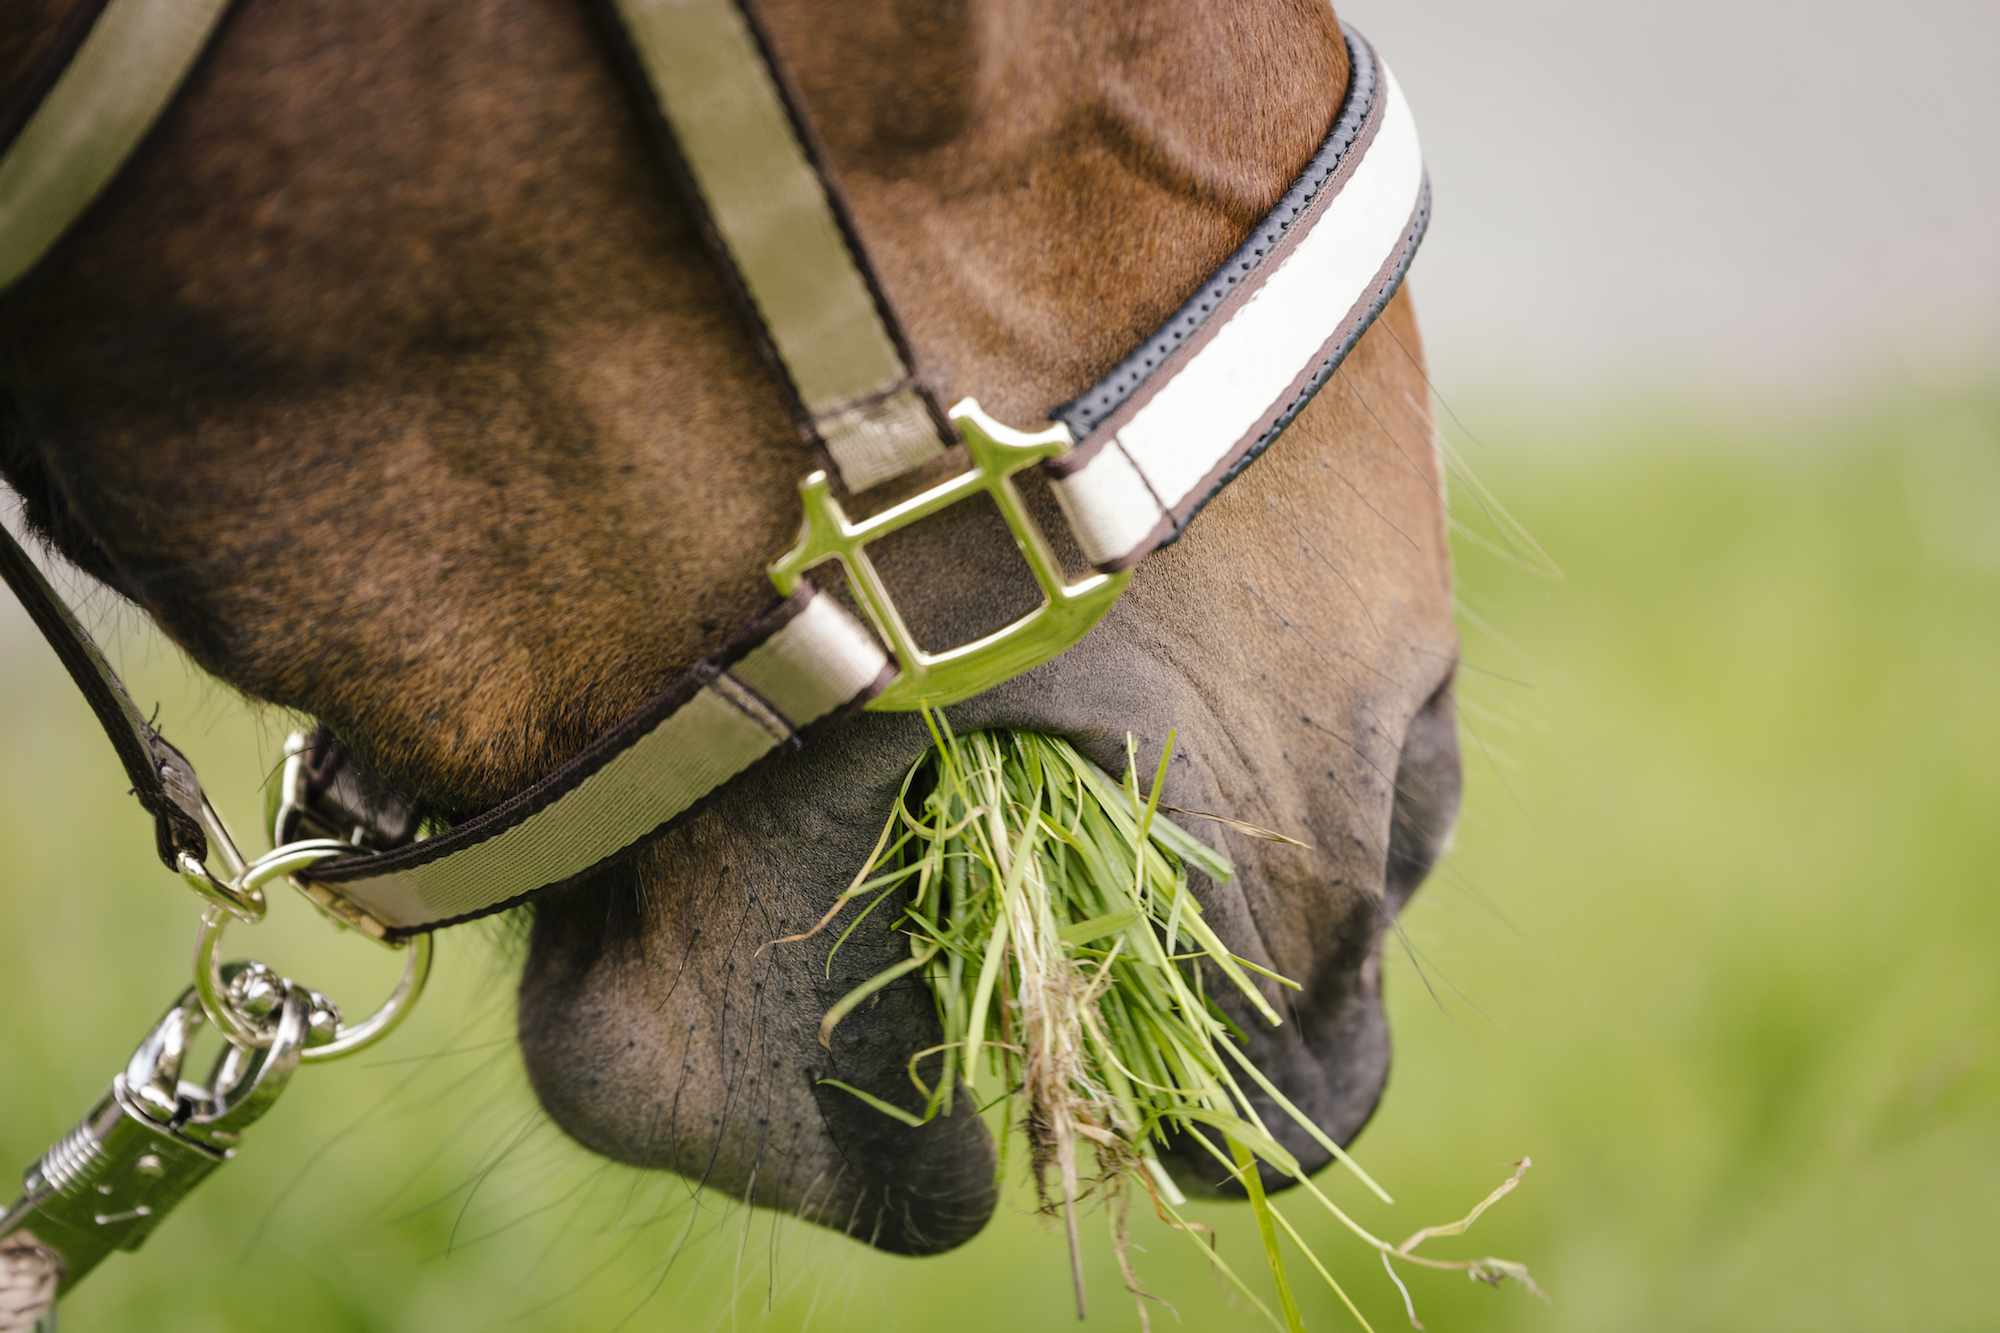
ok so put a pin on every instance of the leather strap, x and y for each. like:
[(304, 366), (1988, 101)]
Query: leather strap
[(116, 84), (161, 777), (776, 221), (106, 86)]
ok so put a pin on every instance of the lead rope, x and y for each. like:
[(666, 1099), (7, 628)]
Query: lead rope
[(28, 1278), (158, 1132)]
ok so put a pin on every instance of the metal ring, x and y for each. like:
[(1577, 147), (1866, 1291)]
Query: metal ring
[(226, 895), (213, 990), (348, 1039), (236, 895), (285, 799)]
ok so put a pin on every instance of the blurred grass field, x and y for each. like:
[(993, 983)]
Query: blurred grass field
[(1716, 947)]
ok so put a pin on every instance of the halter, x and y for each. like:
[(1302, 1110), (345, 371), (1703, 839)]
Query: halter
[(1130, 461)]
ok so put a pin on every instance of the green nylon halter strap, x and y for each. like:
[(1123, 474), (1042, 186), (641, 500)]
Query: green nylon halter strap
[(119, 81), (776, 220)]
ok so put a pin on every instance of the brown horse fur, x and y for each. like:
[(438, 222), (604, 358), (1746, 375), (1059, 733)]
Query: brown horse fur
[(392, 380)]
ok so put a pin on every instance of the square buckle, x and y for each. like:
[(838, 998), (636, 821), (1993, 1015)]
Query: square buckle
[(926, 679)]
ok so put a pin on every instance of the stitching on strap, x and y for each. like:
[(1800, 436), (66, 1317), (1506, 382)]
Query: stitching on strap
[(1083, 413), (753, 707)]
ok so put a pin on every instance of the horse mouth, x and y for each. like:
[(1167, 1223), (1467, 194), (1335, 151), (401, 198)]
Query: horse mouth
[(663, 1026)]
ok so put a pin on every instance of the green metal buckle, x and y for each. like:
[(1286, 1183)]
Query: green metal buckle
[(1067, 612)]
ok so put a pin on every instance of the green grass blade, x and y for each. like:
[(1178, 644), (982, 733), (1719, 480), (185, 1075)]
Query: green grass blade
[(1253, 1185), (887, 1108)]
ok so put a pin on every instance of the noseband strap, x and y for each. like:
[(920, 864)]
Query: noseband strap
[(805, 660), (1131, 460)]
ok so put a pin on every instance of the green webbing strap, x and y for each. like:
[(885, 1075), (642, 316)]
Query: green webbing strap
[(772, 215), (116, 86)]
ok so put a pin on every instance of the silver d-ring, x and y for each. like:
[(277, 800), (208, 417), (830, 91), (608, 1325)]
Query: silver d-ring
[(213, 991), (349, 1038)]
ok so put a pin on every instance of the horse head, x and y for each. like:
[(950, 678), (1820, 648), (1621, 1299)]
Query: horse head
[(395, 383)]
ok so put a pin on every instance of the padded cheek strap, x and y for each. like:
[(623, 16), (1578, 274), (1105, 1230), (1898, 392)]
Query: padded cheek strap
[(773, 215), (1174, 423)]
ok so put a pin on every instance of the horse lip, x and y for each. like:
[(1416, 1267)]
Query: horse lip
[(914, 1190), (1333, 1065), (923, 1190)]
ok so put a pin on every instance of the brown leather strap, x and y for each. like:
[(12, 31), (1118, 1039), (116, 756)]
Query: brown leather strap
[(161, 777)]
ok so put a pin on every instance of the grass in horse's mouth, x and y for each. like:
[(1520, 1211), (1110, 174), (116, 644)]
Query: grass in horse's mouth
[(1048, 907)]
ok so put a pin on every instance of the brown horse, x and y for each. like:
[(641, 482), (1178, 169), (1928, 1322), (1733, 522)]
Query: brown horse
[(392, 379)]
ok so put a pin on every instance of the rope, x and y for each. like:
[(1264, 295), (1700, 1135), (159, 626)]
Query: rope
[(28, 1276)]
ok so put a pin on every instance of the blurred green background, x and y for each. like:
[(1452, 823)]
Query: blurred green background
[(1715, 948)]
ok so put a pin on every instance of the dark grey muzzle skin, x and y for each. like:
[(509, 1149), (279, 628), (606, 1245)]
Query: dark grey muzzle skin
[(714, 1071)]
